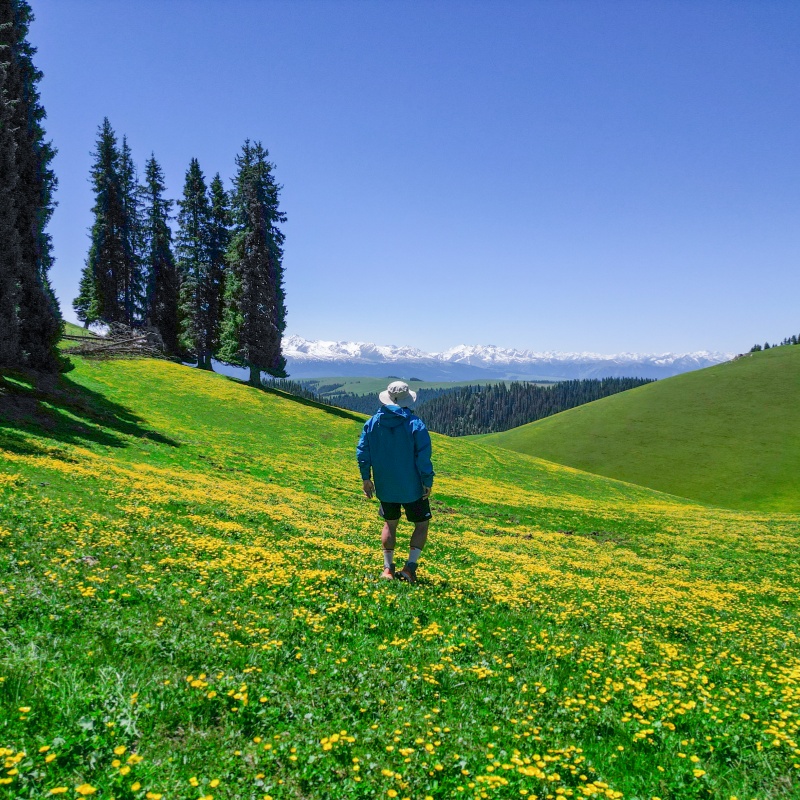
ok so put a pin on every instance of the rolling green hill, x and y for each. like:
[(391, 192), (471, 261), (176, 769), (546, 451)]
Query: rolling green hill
[(728, 435), (189, 608)]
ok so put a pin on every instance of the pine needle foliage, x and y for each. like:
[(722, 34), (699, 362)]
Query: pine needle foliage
[(255, 311), (102, 278), (162, 274), (113, 282), (10, 253), (201, 281), (36, 325), (133, 280), (219, 239)]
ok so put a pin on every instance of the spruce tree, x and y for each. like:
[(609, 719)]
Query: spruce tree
[(132, 278), (38, 315), (10, 253), (86, 303), (194, 264), (255, 313), (162, 274), (218, 242), (103, 279)]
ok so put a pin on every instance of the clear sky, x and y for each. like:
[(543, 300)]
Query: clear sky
[(596, 175)]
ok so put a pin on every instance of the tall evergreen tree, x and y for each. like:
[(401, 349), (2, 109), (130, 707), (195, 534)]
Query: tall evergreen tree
[(38, 315), (86, 303), (10, 253), (103, 277), (194, 264), (255, 312), (218, 242), (162, 274), (132, 279)]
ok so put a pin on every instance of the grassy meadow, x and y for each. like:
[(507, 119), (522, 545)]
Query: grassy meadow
[(189, 608), (726, 435)]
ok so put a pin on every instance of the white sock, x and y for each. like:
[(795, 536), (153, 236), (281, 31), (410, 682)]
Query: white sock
[(413, 555), (388, 558)]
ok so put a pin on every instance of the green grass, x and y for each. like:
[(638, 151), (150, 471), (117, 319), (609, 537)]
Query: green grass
[(76, 330), (189, 607), (727, 435)]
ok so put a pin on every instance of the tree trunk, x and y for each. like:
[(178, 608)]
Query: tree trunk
[(255, 376)]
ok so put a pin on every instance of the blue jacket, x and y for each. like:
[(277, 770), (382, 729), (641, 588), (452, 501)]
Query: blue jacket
[(395, 447)]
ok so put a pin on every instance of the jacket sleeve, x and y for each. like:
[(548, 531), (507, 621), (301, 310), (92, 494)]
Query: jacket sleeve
[(422, 454), (362, 454)]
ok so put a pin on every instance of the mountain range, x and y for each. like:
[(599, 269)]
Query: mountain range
[(318, 358)]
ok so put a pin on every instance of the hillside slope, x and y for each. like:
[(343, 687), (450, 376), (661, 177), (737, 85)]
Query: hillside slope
[(189, 608), (727, 435)]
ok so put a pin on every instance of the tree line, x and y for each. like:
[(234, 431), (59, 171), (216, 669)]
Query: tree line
[(491, 408), (369, 403), (793, 339), (30, 319), (499, 407), (216, 290)]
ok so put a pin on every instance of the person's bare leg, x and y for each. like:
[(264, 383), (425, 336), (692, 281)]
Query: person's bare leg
[(418, 539), (420, 535), (388, 540)]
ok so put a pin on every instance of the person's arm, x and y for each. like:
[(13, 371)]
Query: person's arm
[(365, 462), (422, 457)]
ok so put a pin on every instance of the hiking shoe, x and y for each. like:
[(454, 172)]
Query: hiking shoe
[(408, 573), (389, 573)]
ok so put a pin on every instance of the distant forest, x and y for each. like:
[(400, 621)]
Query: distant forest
[(465, 410), (793, 339), (499, 407), (369, 403)]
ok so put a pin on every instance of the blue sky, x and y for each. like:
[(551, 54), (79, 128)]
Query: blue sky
[(598, 175)]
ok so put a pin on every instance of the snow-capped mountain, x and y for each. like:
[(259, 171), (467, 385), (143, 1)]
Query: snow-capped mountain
[(318, 358)]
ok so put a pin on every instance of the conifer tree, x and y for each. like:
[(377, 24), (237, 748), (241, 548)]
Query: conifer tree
[(86, 303), (194, 265), (218, 242), (162, 274), (132, 278), (255, 313), (38, 316), (10, 253), (103, 278)]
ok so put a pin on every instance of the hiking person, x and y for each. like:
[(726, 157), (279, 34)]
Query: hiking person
[(394, 457)]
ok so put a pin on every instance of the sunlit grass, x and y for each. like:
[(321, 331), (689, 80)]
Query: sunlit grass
[(725, 435), (190, 608)]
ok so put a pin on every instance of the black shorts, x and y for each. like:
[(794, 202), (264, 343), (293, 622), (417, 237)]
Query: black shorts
[(418, 511)]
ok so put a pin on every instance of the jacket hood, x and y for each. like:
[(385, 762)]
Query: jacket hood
[(392, 416)]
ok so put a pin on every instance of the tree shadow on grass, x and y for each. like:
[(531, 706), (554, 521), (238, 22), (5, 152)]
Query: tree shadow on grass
[(304, 401), (58, 408)]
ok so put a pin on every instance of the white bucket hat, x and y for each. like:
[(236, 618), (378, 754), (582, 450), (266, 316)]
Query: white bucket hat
[(398, 394)]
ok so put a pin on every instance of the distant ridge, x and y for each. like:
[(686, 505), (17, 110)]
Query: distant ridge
[(319, 358), (726, 435)]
